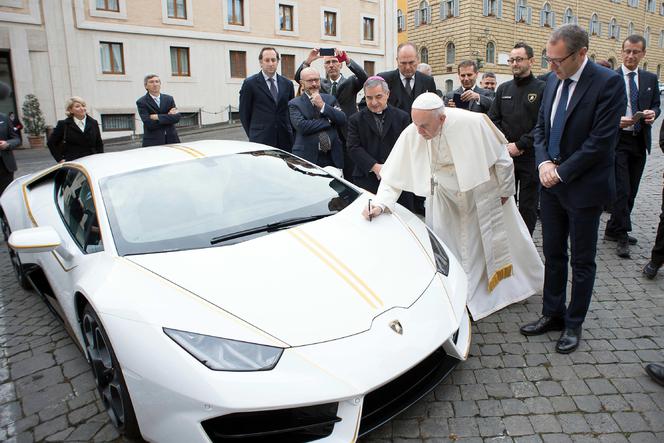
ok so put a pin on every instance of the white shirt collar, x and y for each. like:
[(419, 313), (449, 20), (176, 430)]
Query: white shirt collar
[(267, 77), (403, 79), (80, 122), (626, 71), (577, 75), (155, 97)]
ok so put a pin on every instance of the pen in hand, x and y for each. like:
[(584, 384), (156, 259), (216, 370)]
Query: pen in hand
[(369, 209)]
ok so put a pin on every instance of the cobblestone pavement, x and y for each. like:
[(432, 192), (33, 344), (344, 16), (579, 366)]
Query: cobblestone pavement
[(511, 389)]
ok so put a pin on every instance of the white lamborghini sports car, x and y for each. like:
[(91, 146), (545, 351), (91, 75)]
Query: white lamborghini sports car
[(230, 292)]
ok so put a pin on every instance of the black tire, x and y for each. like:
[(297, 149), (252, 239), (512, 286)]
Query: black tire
[(19, 271), (108, 375)]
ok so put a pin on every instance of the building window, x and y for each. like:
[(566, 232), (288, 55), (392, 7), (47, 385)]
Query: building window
[(117, 122), (630, 28), (449, 85), (176, 9), (659, 70), (661, 39), (369, 67), (288, 66), (646, 36), (236, 12), (449, 9), (187, 120), (492, 8), (614, 29), (112, 58), (650, 6), (547, 16), (423, 14), (594, 28), (523, 13), (543, 63), (286, 17), (424, 54), (490, 53), (180, 62), (108, 5), (568, 17), (238, 64), (450, 54), (368, 28), (330, 23), (661, 9), (633, 3), (401, 21)]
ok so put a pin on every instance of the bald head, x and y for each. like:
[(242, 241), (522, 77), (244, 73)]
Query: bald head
[(407, 59), (310, 80)]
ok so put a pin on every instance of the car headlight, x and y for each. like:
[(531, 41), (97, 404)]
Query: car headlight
[(222, 354), (439, 254)]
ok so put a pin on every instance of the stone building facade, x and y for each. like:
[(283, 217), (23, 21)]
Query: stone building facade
[(449, 31), (202, 49)]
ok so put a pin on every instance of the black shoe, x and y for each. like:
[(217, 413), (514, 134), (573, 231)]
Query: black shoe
[(656, 372), (569, 340), (650, 270), (609, 237), (622, 250), (542, 325)]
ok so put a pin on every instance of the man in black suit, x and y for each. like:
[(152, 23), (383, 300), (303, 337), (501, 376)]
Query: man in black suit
[(316, 118), (574, 151), (473, 97), (634, 140), (405, 82), (158, 113), (657, 254), (264, 101), (372, 133), (489, 83), (8, 141)]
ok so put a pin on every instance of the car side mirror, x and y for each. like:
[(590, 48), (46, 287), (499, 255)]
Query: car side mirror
[(32, 240)]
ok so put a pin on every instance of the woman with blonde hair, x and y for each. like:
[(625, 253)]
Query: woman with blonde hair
[(76, 136)]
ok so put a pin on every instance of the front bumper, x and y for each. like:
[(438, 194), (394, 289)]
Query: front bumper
[(371, 377)]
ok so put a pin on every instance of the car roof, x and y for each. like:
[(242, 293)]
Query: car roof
[(113, 163)]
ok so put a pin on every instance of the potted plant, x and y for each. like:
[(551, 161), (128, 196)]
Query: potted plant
[(33, 119)]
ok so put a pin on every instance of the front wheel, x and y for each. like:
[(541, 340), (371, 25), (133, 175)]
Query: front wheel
[(19, 272), (108, 375)]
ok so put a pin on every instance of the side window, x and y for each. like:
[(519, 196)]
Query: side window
[(73, 196)]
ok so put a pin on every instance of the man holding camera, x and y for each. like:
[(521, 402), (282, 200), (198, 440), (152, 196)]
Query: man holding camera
[(469, 96)]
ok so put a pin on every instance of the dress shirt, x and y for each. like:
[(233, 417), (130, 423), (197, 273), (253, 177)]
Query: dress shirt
[(157, 99), (403, 81), (81, 123), (628, 111), (267, 81)]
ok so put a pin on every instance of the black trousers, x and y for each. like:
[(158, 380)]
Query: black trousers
[(657, 254), (527, 190), (6, 177), (560, 223), (630, 162)]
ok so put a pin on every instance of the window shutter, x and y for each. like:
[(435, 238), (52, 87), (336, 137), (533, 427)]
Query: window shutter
[(617, 32), (599, 28), (553, 19), (517, 16), (428, 14), (529, 20), (542, 17), (417, 18), (443, 10), (485, 7), (456, 8), (499, 9)]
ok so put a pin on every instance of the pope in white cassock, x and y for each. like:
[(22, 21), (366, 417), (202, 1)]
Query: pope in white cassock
[(459, 161)]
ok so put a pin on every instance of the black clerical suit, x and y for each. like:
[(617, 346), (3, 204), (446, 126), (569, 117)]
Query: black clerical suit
[(514, 111), (399, 97), (7, 163), (371, 138)]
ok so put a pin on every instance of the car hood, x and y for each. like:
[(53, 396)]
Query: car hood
[(316, 282)]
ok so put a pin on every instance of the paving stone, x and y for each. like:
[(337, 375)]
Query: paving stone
[(31, 365), (51, 395), (9, 413), (463, 427), (556, 438), (517, 425), (440, 409), (549, 388), (490, 408), (575, 387), (573, 423), (514, 407), (430, 427), (465, 409), (588, 403), (545, 423), (39, 380), (600, 386), (406, 428), (86, 431), (491, 426), (630, 422), (643, 437), (539, 405), (50, 427), (602, 423)]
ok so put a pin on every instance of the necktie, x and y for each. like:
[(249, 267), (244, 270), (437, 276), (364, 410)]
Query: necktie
[(634, 99), (273, 89), (409, 90), (334, 88), (379, 119), (558, 123), (156, 100)]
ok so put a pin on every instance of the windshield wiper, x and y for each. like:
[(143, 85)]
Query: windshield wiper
[(270, 227)]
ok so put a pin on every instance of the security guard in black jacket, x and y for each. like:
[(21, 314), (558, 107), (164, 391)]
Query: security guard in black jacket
[(514, 111)]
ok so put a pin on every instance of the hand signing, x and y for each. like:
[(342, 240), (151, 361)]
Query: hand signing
[(375, 211)]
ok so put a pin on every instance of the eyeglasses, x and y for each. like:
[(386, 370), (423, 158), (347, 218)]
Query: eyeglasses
[(516, 60), (558, 61), (313, 80), (632, 51)]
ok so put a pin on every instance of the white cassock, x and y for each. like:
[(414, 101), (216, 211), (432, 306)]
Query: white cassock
[(463, 172)]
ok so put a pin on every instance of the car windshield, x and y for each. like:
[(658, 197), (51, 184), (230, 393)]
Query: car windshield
[(217, 201)]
